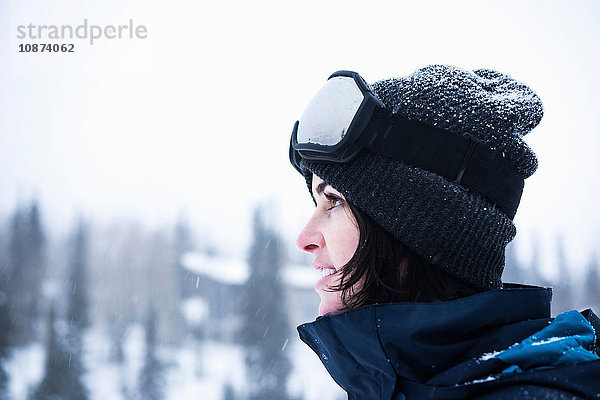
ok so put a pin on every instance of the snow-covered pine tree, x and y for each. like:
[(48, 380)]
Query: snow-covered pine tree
[(562, 297), (183, 244), (591, 292), (26, 272), (534, 273), (5, 328), (265, 326), (151, 384), (3, 375), (63, 367), (78, 302), (228, 392), (3, 382)]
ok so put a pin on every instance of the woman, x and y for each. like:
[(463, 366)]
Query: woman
[(416, 181)]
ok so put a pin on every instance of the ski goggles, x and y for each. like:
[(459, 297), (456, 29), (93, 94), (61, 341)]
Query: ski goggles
[(345, 117)]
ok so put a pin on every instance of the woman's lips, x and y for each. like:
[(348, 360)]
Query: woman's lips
[(330, 270)]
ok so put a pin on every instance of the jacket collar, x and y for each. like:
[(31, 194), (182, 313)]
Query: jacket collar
[(367, 349)]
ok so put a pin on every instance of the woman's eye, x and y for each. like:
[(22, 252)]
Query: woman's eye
[(334, 201)]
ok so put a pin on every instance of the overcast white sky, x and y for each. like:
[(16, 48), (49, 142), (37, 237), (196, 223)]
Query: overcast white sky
[(197, 116)]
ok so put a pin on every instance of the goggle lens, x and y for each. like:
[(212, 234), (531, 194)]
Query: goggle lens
[(329, 114)]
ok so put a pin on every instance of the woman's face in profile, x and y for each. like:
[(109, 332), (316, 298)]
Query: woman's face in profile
[(332, 236)]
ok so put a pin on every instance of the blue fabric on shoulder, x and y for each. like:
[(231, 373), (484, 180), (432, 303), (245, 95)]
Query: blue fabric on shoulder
[(567, 340)]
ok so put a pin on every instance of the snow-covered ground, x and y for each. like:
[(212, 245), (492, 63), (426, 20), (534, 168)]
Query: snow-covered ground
[(194, 370), (25, 368)]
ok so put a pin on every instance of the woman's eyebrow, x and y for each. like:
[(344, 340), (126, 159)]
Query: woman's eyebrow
[(320, 188)]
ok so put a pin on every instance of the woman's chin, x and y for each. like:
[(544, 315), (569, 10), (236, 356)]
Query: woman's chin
[(328, 307)]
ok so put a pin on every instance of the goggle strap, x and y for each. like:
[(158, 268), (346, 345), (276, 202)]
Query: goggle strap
[(457, 158)]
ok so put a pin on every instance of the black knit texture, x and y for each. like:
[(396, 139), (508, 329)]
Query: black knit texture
[(485, 105), (455, 229)]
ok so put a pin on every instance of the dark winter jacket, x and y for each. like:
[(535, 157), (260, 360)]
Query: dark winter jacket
[(499, 344)]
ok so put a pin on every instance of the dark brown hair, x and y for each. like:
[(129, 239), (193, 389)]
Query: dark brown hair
[(384, 271)]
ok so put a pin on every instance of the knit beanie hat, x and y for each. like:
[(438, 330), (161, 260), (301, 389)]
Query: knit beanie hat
[(456, 229)]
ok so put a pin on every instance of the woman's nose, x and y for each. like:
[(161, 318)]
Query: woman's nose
[(310, 238)]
